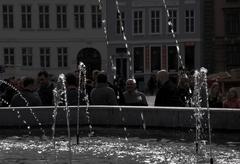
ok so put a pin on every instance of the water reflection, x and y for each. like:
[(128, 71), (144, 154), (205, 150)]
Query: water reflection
[(28, 149)]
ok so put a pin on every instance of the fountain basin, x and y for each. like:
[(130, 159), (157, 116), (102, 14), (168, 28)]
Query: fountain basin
[(108, 145), (153, 117)]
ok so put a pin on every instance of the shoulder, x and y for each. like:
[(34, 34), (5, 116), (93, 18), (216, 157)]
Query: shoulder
[(110, 89), (16, 96), (140, 93)]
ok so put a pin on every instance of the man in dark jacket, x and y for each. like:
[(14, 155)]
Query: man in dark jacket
[(167, 91), (45, 90), (72, 91), (102, 94), (28, 96), (132, 96)]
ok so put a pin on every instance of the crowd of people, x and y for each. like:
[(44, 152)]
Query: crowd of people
[(99, 91)]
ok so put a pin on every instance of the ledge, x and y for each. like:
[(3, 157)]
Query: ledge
[(153, 117)]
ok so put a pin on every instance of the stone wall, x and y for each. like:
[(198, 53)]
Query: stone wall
[(152, 117)]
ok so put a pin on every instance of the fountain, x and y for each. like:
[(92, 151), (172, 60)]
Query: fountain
[(151, 134)]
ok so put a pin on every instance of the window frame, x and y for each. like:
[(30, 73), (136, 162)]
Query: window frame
[(98, 17), (26, 16), (190, 18), (150, 21), (28, 54), (46, 55), (143, 58), (177, 21), (10, 56), (143, 21), (45, 16), (61, 16), (78, 16), (118, 24), (8, 16), (167, 56), (150, 52), (61, 56)]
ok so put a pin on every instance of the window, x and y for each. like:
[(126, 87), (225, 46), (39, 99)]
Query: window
[(43, 16), (45, 57), (172, 19), (138, 22), (189, 21), (8, 56), (155, 21), (79, 20), (119, 30), (155, 58), (7, 16), (190, 57), (26, 12), (232, 55), (61, 16), (27, 56), (138, 53), (62, 57), (172, 58), (96, 17), (232, 22)]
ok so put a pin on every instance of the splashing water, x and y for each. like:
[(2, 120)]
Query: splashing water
[(170, 23), (200, 79), (131, 73), (82, 81), (97, 150), (143, 121), (60, 96), (204, 72), (27, 105), (80, 67), (200, 84)]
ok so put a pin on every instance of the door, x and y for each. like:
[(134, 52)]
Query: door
[(121, 68)]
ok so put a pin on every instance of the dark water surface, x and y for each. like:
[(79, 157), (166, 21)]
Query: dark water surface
[(110, 146)]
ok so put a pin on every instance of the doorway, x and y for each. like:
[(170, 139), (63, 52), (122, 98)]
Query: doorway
[(91, 58)]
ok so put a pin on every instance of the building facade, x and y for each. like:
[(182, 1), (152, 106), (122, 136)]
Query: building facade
[(221, 35), (56, 35), (50, 35), (149, 37), (227, 35)]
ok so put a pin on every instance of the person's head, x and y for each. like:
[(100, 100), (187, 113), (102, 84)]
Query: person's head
[(43, 78), (28, 83), (20, 83), (101, 78), (131, 85), (71, 79), (12, 81), (215, 88), (162, 76), (232, 94), (95, 74)]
